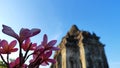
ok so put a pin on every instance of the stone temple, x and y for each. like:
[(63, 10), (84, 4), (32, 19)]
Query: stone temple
[(80, 49)]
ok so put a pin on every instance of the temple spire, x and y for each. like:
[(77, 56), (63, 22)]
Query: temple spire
[(73, 30)]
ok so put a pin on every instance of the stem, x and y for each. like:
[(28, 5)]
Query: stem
[(38, 57), (27, 52), (41, 53), (20, 53), (8, 60), (31, 65), (28, 56), (3, 59)]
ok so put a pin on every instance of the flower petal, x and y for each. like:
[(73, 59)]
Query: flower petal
[(44, 64), (23, 47), (33, 46), (17, 60), (4, 44), (51, 43), (52, 61), (9, 31), (14, 63), (12, 44), (39, 48), (24, 34), (47, 53), (55, 48), (45, 39), (26, 44), (2, 51), (14, 50), (27, 41), (35, 31)]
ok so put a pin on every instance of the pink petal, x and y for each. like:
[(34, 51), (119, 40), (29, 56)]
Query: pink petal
[(17, 61), (44, 64), (12, 64), (35, 31), (9, 31), (26, 44), (40, 48), (14, 50), (27, 41), (12, 44), (33, 46), (24, 47), (51, 43), (24, 34), (2, 51), (47, 53), (52, 61), (4, 44), (55, 48), (45, 39)]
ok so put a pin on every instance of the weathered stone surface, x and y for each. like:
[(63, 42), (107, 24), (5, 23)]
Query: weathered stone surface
[(80, 49)]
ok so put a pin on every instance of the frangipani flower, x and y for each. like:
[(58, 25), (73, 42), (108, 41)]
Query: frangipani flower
[(46, 58), (44, 46), (24, 33), (8, 48), (44, 51), (49, 45), (43, 59), (15, 64), (41, 54), (27, 43)]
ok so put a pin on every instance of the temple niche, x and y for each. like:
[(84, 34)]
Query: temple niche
[(80, 49)]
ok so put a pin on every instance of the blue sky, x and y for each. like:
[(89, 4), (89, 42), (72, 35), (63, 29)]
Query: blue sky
[(55, 17)]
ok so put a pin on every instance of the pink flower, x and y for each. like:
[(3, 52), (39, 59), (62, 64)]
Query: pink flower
[(50, 44), (15, 64), (24, 33), (43, 52), (27, 43), (8, 48), (43, 59), (46, 58), (45, 46)]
